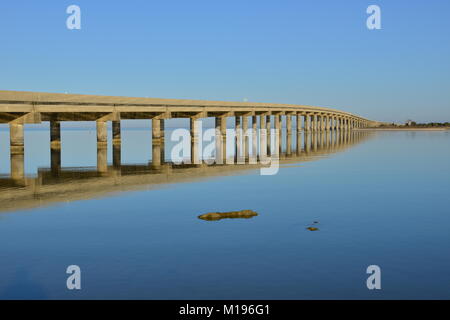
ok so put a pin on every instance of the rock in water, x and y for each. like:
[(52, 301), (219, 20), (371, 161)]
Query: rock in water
[(214, 216)]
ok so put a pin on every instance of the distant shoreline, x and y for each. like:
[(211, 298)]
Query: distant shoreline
[(405, 129)]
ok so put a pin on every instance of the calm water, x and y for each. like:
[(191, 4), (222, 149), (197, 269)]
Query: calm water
[(384, 201)]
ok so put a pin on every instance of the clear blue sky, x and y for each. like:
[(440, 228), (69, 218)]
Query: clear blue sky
[(313, 52)]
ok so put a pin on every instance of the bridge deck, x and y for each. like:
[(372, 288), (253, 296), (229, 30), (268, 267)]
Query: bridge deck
[(47, 104)]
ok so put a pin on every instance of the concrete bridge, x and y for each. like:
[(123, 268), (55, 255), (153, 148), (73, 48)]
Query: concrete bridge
[(57, 184), (19, 108)]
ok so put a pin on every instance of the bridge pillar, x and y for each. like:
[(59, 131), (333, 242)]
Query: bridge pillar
[(221, 139), (102, 158), (117, 155), (299, 123), (17, 166), (102, 147), (16, 137), (314, 122), (277, 143), (269, 135), (298, 147), (195, 124), (55, 160), (157, 142), (102, 133), (307, 122), (238, 139), (245, 137), (116, 132), (55, 134), (288, 134), (254, 138), (262, 137), (55, 147), (218, 141)]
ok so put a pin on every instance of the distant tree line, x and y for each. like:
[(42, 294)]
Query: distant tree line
[(419, 125)]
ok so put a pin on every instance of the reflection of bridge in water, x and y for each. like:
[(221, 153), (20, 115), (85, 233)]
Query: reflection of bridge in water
[(57, 184)]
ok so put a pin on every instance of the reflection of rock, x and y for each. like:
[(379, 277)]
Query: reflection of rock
[(243, 214)]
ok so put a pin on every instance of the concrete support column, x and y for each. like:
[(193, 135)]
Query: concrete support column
[(195, 138), (117, 155), (157, 142), (55, 161), (102, 133), (314, 122), (55, 134), (298, 147), (102, 159), (16, 137), (17, 166), (116, 132), (288, 134), (277, 144), (327, 123), (262, 137), (55, 147), (254, 138), (307, 122), (246, 138), (269, 135), (218, 140), (222, 124), (299, 123), (238, 140), (102, 150)]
